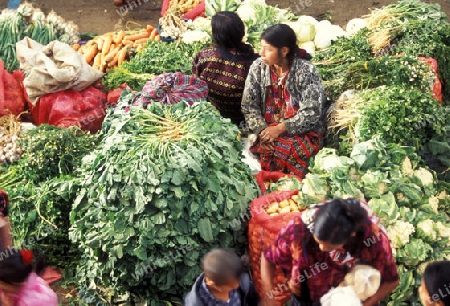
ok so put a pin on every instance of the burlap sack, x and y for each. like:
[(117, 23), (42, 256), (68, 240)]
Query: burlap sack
[(53, 68)]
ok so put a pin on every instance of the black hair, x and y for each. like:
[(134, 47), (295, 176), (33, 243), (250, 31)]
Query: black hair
[(282, 35), (12, 268), (437, 281), (228, 29), (222, 265), (338, 220)]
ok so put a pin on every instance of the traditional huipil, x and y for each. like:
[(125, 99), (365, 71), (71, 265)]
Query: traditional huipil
[(225, 71), (297, 99)]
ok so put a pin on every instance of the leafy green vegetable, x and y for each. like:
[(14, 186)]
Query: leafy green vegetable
[(155, 58), (161, 189)]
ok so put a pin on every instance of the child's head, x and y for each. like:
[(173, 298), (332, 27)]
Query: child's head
[(15, 265), (435, 287), (4, 203), (222, 269)]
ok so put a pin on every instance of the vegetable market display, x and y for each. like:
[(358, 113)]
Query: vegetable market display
[(163, 179), (112, 49), (168, 179), (31, 22)]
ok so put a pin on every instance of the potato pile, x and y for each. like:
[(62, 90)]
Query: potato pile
[(284, 206)]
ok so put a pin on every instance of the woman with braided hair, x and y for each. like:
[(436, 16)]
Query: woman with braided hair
[(284, 103), (317, 250)]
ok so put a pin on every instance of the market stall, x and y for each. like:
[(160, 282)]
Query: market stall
[(127, 193)]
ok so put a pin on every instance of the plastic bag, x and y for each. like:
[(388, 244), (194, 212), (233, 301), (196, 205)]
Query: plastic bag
[(171, 88), (85, 109), (13, 97), (53, 68), (262, 231), (364, 280), (437, 85)]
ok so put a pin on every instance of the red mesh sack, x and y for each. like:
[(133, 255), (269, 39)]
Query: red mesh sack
[(13, 97), (265, 176), (262, 231), (65, 108), (437, 86)]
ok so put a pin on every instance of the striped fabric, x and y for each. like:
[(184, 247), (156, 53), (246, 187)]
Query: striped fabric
[(171, 88), (291, 153)]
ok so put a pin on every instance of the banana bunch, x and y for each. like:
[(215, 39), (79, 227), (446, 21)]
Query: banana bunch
[(185, 6)]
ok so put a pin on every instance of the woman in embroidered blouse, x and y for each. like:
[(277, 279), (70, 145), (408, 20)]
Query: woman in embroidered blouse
[(224, 66), (283, 103), (318, 248)]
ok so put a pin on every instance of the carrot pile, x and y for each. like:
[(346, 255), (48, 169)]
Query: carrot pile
[(111, 49)]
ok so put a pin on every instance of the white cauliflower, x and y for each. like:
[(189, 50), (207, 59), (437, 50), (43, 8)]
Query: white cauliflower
[(426, 227), (444, 231), (246, 11), (399, 233), (192, 36), (407, 167), (425, 176), (354, 25), (434, 203)]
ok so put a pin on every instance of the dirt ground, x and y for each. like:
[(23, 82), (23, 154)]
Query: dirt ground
[(100, 16)]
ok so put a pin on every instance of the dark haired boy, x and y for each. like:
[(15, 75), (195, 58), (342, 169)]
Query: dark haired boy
[(222, 282)]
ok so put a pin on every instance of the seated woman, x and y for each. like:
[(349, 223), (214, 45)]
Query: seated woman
[(284, 103), (224, 66), (319, 247)]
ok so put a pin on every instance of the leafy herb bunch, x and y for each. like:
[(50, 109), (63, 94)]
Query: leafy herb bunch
[(164, 180)]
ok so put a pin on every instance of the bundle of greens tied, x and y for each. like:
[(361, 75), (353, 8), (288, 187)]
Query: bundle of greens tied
[(165, 180)]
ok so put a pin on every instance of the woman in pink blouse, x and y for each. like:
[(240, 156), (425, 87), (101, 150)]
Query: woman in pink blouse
[(317, 250)]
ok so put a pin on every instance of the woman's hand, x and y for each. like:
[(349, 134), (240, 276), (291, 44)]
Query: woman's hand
[(272, 132)]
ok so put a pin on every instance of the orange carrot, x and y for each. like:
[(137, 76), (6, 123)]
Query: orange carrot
[(118, 37), (153, 34), (137, 36), (114, 61), (76, 47), (122, 55), (90, 53), (100, 42), (111, 54), (157, 38), (97, 61), (149, 28), (106, 44), (127, 42), (141, 41)]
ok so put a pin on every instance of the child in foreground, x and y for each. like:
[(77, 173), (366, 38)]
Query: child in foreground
[(222, 282), (19, 284)]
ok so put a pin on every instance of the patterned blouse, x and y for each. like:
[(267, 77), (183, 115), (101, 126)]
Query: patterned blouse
[(297, 253), (305, 90), (225, 72)]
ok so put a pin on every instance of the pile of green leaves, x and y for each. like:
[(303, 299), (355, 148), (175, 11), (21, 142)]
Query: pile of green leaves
[(406, 71), (161, 190), (405, 195), (155, 58), (333, 63), (42, 187), (406, 116), (408, 27)]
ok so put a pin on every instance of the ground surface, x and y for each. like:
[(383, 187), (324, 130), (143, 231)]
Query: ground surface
[(100, 16)]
